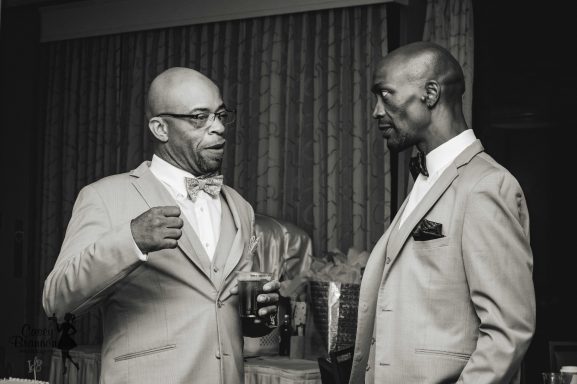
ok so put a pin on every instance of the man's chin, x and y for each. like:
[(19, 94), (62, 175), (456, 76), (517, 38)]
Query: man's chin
[(212, 165), (393, 146)]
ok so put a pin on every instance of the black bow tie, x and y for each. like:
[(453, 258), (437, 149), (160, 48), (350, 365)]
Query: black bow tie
[(418, 165)]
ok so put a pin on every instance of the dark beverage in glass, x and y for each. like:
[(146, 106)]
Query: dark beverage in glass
[(250, 285)]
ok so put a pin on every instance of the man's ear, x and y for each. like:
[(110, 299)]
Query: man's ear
[(432, 93), (158, 128)]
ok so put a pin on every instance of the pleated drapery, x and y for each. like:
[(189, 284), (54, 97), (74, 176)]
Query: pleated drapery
[(450, 23), (304, 147)]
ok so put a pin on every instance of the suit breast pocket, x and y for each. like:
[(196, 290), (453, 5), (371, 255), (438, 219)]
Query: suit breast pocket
[(145, 352), (439, 260), (431, 244)]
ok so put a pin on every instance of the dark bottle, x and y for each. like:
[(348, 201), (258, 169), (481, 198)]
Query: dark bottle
[(285, 336)]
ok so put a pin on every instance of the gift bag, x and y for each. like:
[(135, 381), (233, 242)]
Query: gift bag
[(334, 306)]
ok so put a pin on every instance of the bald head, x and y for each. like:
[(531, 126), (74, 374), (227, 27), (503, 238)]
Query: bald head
[(423, 61), (169, 91)]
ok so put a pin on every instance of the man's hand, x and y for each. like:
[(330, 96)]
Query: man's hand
[(271, 296), (266, 322), (156, 229)]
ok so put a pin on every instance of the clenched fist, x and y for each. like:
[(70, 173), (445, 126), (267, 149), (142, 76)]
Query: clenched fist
[(156, 229)]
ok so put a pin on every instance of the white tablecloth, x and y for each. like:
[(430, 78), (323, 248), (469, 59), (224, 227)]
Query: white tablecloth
[(281, 370), (258, 370), (88, 372)]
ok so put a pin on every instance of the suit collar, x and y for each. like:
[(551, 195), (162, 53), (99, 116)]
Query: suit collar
[(448, 151), (170, 175), (468, 153)]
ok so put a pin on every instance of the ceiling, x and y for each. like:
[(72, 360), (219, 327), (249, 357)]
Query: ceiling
[(19, 3)]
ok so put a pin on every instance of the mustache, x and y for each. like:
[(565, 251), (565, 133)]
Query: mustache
[(385, 124)]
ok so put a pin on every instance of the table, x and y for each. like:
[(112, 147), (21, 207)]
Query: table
[(280, 370), (258, 370), (88, 372)]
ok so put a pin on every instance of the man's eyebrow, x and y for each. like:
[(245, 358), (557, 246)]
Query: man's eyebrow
[(378, 87)]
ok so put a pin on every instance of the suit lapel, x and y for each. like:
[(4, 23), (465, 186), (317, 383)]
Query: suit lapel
[(445, 180), (155, 195), (420, 211), (237, 244)]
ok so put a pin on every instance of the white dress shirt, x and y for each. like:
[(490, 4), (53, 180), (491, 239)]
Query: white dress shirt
[(437, 161), (204, 214)]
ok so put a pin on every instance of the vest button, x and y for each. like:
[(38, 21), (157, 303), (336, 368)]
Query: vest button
[(388, 260), (215, 269)]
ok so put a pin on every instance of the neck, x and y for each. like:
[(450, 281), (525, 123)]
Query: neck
[(170, 160), (444, 126)]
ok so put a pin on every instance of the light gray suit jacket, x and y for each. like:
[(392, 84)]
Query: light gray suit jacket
[(170, 319), (460, 308)]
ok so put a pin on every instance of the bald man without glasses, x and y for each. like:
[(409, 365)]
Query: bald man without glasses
[(447, 295), (157, 256)]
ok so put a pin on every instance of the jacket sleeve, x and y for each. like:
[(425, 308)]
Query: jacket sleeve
[(95, 255), (499, 265)]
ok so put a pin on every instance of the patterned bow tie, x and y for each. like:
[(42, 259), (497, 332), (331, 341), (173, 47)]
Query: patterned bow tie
[(418, 165), (209, 184)]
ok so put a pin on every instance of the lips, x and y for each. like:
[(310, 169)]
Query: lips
[(217, 146), (386, 128), (383, 125)]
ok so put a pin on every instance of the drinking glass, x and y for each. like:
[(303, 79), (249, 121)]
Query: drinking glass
[(555, 378), (250, 285)]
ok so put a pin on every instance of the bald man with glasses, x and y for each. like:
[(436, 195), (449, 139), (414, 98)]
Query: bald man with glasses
[(157, 249)]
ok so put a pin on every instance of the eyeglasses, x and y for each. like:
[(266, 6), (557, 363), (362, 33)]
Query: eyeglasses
[(203, 119)]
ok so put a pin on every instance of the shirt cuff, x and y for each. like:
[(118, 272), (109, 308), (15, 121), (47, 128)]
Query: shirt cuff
[(141, 256)]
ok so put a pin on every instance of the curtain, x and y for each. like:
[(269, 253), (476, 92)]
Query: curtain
[(303, 149), (450, 23)]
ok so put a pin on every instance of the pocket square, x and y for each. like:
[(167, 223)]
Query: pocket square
[(427, 230), (252, 244)]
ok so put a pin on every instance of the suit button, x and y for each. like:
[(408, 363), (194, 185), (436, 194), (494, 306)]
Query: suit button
[(219, 303), (368, 368), (388, 260), (215, 269), (217, 354), (373, 340)]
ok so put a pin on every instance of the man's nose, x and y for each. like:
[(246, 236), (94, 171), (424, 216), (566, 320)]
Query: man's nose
[(379, 110), (217, 127)]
